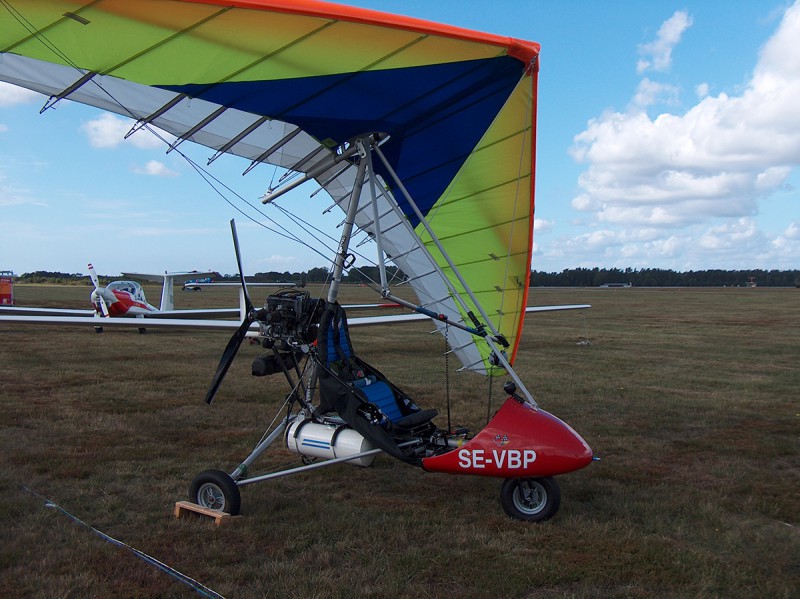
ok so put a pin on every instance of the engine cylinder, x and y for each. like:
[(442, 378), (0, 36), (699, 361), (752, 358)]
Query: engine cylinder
[(327, 441)]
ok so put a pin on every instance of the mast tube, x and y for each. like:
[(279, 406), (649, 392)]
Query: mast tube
[(347, 231)]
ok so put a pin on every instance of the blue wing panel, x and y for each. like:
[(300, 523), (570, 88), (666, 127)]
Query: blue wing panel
[(435, 114)]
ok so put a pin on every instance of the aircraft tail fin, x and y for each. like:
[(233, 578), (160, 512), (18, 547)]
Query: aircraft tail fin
[(167, 294), (169, 279)]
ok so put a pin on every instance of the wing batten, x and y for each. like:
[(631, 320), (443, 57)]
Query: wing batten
[(238, 137), (85, 78), (153, 116)]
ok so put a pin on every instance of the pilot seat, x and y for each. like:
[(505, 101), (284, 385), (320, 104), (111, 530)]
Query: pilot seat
[(361, 395)]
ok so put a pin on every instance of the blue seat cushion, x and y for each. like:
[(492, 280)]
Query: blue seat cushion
[(381, 395)]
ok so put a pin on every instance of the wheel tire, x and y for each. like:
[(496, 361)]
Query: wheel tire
[(216, 490), (530, 499)]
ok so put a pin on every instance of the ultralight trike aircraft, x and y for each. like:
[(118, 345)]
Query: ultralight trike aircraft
[(342, 409), (423, 135)]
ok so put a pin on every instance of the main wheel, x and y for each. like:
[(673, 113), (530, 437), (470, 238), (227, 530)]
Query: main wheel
[(531, 499), (216, 490)]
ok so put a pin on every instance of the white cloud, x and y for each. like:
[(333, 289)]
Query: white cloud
[(156, 169), (735, 244), (651, 92), (108, 131), (657, 55), (718, 159), (275, 262), (12, 94), (729, 236), (702, 90), (542, 226), (786, 246), (13, 195), (10, 197), (792, 232)]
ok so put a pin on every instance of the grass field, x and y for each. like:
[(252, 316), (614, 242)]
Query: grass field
[(689, 396)]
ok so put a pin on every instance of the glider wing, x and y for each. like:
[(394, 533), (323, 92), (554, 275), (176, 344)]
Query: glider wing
[(292, 83)]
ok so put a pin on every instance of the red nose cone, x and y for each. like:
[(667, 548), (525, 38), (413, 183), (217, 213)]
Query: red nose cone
[(520, 441)]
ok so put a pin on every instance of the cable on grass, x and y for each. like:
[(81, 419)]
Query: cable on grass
[(197, 586)]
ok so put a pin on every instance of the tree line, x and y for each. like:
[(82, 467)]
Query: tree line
[(314, 275), (570, 277), (657, 277)]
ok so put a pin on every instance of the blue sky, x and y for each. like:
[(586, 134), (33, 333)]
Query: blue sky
[(668, 137)]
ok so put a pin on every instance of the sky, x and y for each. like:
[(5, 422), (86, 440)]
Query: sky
[(668, 137)]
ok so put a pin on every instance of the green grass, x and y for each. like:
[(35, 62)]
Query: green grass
[(689, 396)]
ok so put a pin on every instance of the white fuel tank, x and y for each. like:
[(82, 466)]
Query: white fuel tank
[(327, 441)]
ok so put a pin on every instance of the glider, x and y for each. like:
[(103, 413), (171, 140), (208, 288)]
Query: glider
[(422, 133), (121, 299)]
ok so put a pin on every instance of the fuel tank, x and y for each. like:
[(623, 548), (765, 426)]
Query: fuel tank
[(313, 439), (520, 441)]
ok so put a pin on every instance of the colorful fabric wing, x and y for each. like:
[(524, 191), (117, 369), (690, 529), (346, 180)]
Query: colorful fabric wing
[(290, 82)]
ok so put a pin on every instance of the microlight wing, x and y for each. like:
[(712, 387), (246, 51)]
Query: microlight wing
[(291, 83)]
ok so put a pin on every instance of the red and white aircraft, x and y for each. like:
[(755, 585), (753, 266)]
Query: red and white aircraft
[(122, 301), (126, 298), (120, 298)]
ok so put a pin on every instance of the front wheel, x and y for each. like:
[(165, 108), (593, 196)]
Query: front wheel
[(531, 499), (216, 490)]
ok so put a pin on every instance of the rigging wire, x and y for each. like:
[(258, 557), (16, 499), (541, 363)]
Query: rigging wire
[(304, 225), (34, 32), (490, 378), (281, 230), (447, 374)]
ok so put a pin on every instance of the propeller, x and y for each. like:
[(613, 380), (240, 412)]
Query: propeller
[(251, 315), (98, 291)]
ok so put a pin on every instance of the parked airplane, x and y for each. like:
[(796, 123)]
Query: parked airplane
[(124, 298)]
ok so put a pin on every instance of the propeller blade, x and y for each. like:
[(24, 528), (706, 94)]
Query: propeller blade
[(98, 290), (247, 303), (103, 305), (236, 340), (227, 358), (93, 276)]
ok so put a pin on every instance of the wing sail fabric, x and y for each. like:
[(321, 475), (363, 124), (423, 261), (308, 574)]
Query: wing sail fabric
[(289, 82)]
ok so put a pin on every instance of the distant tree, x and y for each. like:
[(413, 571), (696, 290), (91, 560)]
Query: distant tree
[(367, 274), (317, 275), (656, 277), (45, 276)]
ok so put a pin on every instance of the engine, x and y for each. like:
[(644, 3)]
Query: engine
[(291, 316)]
